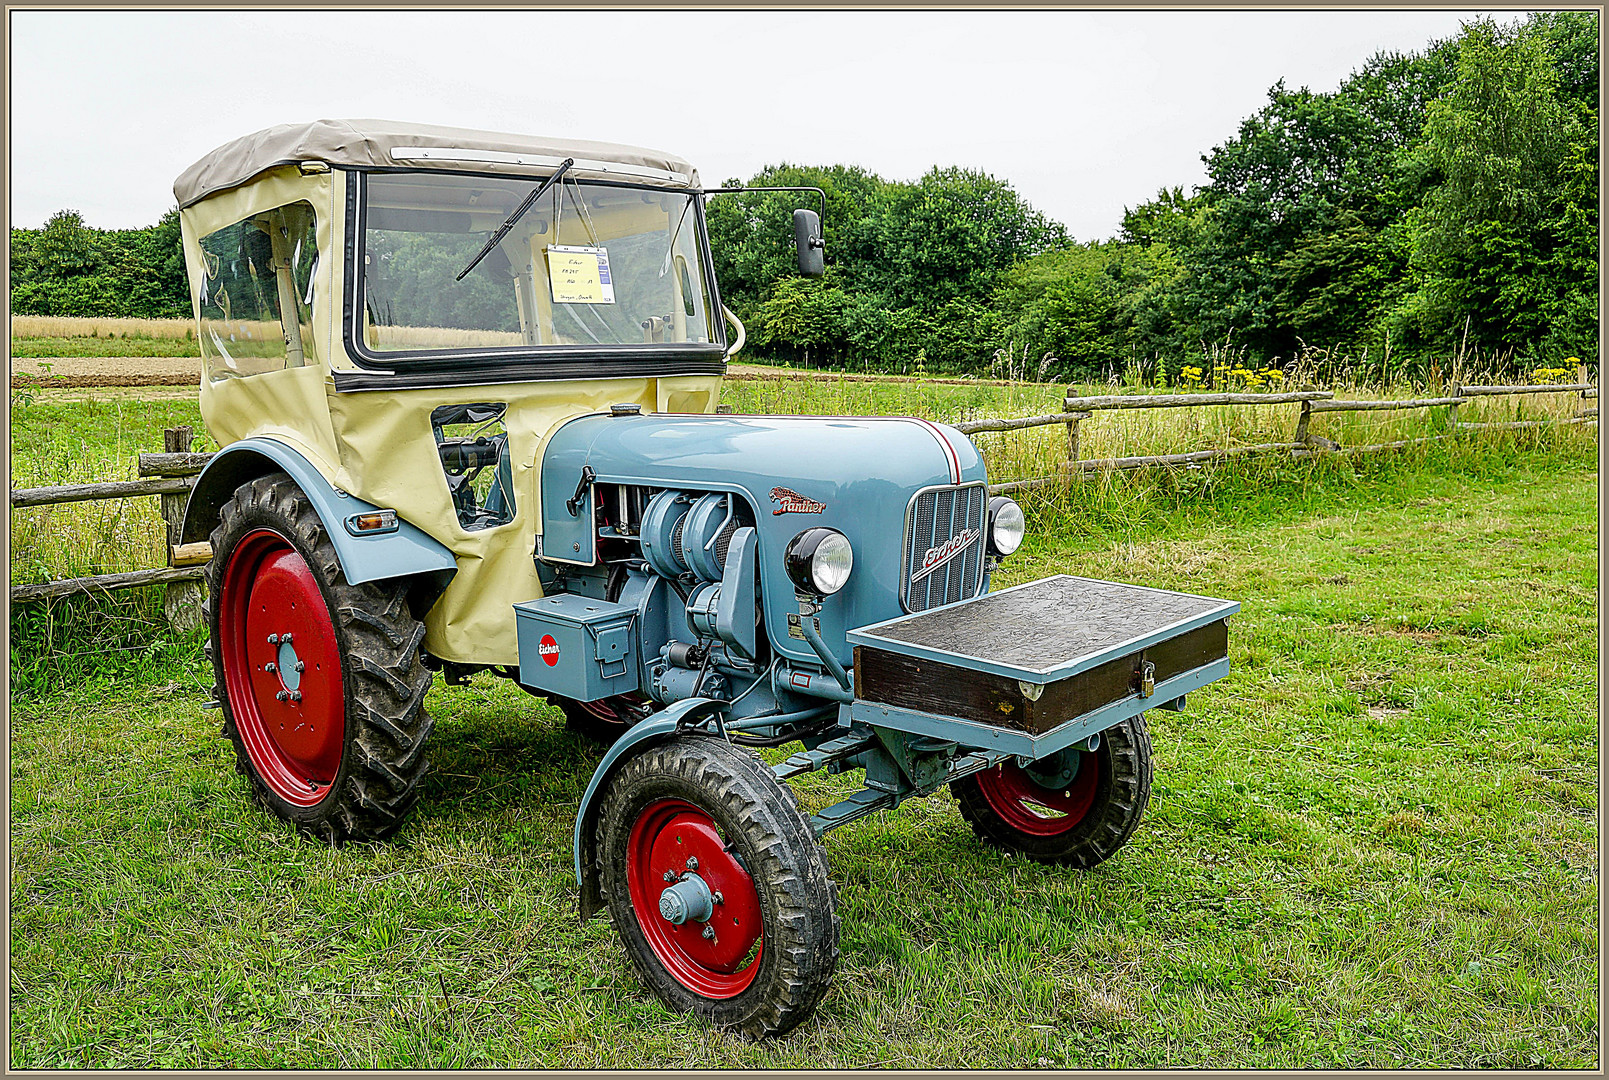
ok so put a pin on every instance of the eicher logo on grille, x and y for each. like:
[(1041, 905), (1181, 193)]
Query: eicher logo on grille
[(794, 503), (936, 557), (548, 650)]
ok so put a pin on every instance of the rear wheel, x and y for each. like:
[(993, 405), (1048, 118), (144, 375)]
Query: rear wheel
[(1076, 808), (601, 721), (320, 681), (717, 886)]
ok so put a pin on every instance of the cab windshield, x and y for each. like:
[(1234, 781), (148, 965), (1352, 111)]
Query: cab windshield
[(588, 264)]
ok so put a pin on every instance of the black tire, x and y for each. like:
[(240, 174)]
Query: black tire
[(758, 819), (375, 762), (1122, 788)]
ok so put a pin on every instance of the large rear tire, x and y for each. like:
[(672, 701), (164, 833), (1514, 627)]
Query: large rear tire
[(756, 944), (321, 681), (1076, 809)]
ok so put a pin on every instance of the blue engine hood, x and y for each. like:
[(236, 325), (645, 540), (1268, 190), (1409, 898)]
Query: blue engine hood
[(864, 471)]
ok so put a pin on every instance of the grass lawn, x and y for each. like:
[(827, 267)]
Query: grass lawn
[(1373, 845), (45, 348)]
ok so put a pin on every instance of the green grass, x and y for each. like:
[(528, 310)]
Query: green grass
[(48, 347), (1372, 845)]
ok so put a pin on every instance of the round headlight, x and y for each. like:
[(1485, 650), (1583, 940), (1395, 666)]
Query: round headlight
[(1006, 526), (818, 561)]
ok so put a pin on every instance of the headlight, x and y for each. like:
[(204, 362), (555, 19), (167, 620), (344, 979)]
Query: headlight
[(1006, 526), (819, 560)]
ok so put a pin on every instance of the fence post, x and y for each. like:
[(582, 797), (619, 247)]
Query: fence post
[(182, 601), (1454, 390), (1072, 441), (1302, 419), (1581, 378)]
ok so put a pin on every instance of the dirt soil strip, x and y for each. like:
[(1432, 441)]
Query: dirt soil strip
[(19, 382), (105, 371)]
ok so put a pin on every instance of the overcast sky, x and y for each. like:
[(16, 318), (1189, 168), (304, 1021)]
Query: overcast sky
[(1083, 112)]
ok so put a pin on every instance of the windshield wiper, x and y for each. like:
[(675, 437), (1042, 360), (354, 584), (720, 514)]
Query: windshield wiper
[(519, 212)]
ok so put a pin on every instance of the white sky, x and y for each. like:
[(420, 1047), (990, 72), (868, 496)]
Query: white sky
[(1083, 112)]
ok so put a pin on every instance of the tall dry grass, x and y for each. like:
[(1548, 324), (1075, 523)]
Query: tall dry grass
[(47, 326), (440, 337)]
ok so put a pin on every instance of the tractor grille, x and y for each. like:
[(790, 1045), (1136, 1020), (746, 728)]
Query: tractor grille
[(944, 546)]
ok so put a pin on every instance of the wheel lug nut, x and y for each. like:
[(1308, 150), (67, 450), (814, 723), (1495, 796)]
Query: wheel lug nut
[(692, 863), (296, 695), (270, 667), (273, 639), (709, 932), (281, 696), (670, 875), (716, 897), (286, 638), (298, 666)]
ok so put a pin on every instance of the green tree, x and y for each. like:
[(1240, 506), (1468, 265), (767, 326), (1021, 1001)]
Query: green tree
[(952, 234), (1506, 244)]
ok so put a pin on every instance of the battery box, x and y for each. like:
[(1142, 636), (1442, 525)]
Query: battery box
[(577, 647)]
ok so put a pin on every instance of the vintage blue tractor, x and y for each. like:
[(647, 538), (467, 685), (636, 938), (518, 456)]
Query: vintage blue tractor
[(466, 387)]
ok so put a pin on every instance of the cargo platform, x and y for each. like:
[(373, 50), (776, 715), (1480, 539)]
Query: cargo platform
[(1036, 667)]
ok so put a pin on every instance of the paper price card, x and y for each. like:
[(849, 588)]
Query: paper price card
[(580, 275)]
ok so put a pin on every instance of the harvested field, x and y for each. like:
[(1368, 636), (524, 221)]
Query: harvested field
[(106, 371)]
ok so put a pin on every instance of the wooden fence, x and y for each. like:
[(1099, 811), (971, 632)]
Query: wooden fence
[(1302, 443), (171, 474)]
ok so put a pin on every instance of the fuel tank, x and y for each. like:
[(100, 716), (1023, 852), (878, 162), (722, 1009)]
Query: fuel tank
[(859, 475)]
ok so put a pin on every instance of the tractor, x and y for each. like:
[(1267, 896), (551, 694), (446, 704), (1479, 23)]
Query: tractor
[(466, 386)]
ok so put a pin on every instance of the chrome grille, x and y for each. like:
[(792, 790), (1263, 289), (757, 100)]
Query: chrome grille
[(937, 517)]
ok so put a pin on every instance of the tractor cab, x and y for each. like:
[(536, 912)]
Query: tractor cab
[(411, 309)]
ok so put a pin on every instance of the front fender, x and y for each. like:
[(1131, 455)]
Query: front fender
[(659, 726), (406, 552)]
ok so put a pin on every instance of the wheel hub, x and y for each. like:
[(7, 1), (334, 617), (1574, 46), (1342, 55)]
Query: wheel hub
[(688, 899), (288, 663)]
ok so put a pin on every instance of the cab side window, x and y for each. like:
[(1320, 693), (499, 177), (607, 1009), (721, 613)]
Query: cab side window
[(256, 293)]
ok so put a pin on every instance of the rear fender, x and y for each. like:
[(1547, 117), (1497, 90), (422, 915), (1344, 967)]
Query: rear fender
[(405, 552), (662, 725)]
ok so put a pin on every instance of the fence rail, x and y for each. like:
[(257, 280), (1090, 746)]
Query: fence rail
[(171, 473)]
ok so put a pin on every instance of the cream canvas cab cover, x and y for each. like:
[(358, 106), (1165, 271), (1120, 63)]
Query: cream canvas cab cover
[(392, 144)]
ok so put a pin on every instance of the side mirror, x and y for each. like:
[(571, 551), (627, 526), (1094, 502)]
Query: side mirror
[(807, 238)]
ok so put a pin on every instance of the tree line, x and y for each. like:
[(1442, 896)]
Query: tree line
[(1439, 205)]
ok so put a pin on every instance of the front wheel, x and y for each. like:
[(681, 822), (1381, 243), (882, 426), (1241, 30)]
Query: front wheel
[(321, 681), (717, 886), (1076, 808)]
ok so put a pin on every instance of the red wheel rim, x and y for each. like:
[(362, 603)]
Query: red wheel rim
[(1030, 807), (665, 836), (291, 719), (604, 711)]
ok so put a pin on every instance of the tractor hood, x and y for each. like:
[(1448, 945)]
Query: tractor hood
[(854, 474)]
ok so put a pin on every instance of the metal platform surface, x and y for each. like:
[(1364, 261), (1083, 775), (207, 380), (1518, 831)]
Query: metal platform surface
[(1045, 630)]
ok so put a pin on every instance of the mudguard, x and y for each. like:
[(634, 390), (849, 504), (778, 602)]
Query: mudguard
[(404, 552), (660, 726)]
